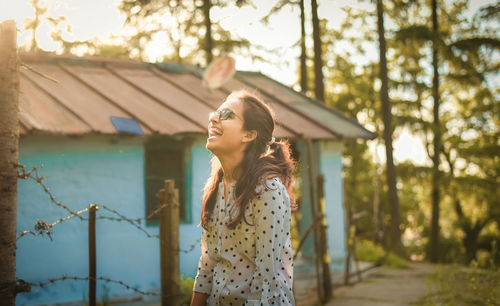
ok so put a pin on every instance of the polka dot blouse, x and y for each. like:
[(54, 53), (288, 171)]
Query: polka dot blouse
[(252, 264)]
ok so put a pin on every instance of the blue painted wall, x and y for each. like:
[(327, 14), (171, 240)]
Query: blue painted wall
[(104, 170), (331, 167), (110, 170), (327, 159), (307, 251), (190, 232)]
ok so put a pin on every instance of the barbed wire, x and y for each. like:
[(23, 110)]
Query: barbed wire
[(33, 174), (106, 279), (133, 222), (191, 248), (42, 227), (136, 224), (157, 210)]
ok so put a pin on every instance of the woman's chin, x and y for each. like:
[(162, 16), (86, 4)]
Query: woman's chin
[(210, 146)]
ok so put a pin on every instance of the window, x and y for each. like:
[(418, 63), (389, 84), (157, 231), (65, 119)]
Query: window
[(165, 158)]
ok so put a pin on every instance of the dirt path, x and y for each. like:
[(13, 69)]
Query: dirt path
[(385, 286)]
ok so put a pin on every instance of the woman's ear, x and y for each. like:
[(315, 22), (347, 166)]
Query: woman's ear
[(249, 136)]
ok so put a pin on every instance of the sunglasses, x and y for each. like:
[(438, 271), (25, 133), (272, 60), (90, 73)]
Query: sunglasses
[(224, 114)]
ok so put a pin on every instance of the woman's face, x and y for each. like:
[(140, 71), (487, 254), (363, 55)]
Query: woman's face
[(226, 134)]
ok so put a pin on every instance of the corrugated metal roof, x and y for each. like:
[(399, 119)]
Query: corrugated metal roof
[(163, 99), (330, 118)]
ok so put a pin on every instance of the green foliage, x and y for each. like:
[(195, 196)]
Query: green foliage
[(451, 249), (183, 22), (459, 285), (469, 121), (368, 251), (59, 24), (394, 261), (186, 289), (489, 255)]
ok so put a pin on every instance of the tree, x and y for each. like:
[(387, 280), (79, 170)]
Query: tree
[(472, 55), (465, 57), (303, 79), (9, 125), (303, 54), (467, 52), (208, 30), (434, 252), (185, 23), (319, 88), (395, 233), (41, 16)]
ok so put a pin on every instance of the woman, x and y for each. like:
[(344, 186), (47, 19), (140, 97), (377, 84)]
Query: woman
[(246, 252)]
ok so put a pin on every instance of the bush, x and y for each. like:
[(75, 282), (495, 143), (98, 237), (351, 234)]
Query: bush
[(186, 289), (394, 261), (367, 250)]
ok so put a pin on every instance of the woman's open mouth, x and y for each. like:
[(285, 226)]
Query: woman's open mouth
[(214, 132)]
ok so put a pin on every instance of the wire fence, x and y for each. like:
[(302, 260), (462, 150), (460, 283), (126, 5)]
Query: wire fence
[(42, 228)]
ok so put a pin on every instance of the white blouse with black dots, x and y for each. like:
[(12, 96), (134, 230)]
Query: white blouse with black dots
[(252, 264)]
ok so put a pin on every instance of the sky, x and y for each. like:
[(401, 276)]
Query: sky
[(101, 18)]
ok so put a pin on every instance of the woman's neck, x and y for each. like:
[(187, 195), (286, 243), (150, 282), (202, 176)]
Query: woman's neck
[(229, 164)]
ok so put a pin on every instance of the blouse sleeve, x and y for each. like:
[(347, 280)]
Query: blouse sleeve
[(271, 211), (203, 279)]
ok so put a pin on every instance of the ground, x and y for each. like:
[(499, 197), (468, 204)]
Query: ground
[(380, 286), (420, 284)]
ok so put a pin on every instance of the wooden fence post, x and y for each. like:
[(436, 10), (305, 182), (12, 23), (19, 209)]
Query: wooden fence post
[(347, 212), (92, 256), (9, 139), (325, 260), (169, 245), (317, 251)]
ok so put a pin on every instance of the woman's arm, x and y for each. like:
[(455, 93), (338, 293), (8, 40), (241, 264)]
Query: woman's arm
[(272, 216), (199, 299), (203, 280)]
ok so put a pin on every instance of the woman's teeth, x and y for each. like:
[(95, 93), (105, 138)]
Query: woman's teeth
[(214, 132)]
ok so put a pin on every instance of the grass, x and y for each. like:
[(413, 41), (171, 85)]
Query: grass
[(460, 285)]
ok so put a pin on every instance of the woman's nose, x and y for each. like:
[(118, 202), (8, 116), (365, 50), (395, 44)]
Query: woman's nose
[(213, 116)]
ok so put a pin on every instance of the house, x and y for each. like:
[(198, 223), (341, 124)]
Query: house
[(109, 131)]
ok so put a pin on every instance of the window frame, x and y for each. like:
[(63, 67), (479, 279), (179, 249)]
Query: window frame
[(169, 143)]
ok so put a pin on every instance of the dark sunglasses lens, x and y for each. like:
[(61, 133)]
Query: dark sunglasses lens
[(225, 114)]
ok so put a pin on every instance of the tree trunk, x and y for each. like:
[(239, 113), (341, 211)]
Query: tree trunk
[(470, 242), (377, 237), (9, 138), (471, 232), (319, 90), (208, 35), (434, 239), (395, 233), (303, 56), (36, 24)]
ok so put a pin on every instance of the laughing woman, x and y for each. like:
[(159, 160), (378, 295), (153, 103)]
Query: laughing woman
[(246, 252)]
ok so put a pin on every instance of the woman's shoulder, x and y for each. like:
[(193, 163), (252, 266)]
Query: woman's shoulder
[(272, 197), (270, 183)]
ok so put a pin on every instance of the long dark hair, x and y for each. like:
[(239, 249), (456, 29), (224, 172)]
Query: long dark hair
[(263, 159)]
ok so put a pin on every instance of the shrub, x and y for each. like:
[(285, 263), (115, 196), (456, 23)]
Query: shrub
[(367, 250), (186, 289)]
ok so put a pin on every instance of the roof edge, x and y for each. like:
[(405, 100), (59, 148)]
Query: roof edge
[(372, 135), (41, 57)]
